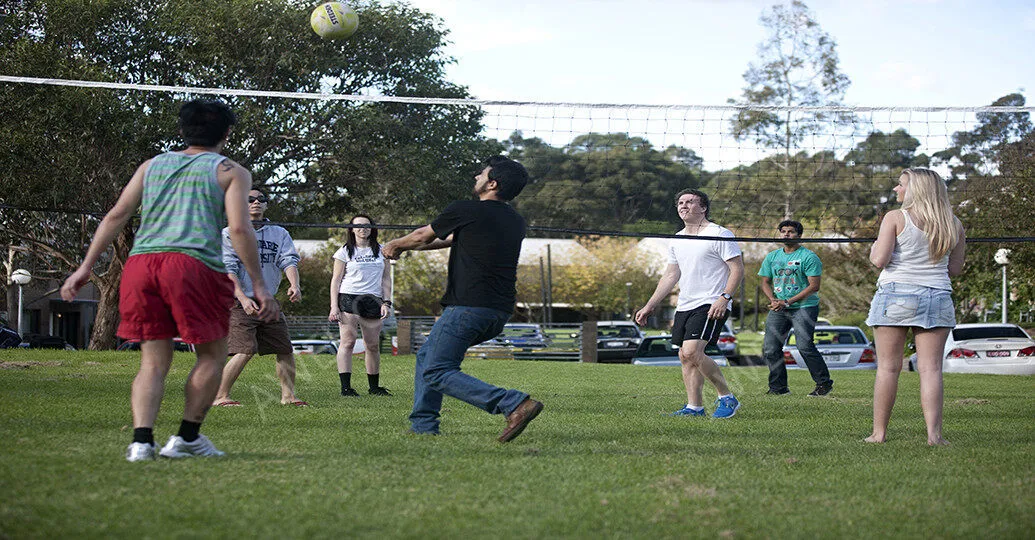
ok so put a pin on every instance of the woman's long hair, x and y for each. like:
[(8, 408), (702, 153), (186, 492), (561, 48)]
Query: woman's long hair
[(350, 239), (928, 200)]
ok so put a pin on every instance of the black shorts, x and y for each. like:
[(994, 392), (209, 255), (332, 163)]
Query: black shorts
[(366, 306), (695, 324)]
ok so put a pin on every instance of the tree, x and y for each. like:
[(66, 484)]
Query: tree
[(798, 67), (975, 153), (598, 277), (607, 181), (1005, 206), (323, 159)]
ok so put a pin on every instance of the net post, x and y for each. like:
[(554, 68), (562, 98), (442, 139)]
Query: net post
[(403, 336), (589, 342)]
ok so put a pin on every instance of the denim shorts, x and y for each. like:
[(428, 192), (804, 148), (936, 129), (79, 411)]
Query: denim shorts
[(903, 304)]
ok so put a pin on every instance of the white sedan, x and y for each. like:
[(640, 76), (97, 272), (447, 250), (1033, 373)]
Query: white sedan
[(1003, 349)]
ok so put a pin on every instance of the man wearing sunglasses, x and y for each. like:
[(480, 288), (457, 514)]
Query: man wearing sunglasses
[(250, 335)]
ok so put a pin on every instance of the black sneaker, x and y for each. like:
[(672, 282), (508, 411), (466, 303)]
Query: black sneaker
[(349, 392), (780, 392), (822, 389), (379, 391)]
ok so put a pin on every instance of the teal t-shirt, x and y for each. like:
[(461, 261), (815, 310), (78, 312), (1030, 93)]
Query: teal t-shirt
[(790, 274)]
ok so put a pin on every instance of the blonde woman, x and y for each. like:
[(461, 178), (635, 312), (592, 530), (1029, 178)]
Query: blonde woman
[(918, 249), (360, 292)]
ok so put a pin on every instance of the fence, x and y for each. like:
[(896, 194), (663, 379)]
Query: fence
[(557, 341)]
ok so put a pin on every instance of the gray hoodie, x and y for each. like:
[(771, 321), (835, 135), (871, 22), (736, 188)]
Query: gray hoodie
[(276, 253)]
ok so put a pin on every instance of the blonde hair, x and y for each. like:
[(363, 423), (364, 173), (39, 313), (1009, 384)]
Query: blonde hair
[(927, 200)]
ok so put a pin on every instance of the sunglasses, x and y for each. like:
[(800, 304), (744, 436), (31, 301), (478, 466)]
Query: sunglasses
[(260, 199)]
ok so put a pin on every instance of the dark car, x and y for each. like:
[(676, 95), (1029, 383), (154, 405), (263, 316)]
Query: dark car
[(659, 351), (617, 341), (524, 336), (134, 345)]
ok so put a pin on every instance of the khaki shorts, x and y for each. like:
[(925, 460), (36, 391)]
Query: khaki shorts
[(250, 335)]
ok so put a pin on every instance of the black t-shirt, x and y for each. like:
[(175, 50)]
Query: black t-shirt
[(483, 261)]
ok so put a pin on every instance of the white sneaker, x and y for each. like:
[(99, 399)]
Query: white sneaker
[(139, 451), (179, 448)]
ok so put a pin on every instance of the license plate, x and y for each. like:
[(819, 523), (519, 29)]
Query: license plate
[(997, 353), (615, 344), (833, 358)]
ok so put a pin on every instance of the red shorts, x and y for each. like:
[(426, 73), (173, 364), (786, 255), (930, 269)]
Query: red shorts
[(164, 295)]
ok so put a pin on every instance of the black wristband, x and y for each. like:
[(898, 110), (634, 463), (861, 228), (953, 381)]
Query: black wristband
[(387, 303)]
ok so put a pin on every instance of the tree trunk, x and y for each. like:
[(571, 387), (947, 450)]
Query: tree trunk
[(107, 320)]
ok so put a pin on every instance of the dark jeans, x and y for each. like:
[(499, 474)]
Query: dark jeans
[(777, 325), (438, 367)]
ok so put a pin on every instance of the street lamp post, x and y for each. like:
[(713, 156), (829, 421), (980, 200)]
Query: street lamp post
[(1002, 257), (628, 299), (21, 277)]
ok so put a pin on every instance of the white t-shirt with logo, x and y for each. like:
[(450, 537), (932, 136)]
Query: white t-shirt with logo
[(363, 272), (702, 266)]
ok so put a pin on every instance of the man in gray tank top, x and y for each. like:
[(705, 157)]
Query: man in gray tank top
[(173, 283)]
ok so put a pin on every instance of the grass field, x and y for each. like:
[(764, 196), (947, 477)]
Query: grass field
[(602, 461)]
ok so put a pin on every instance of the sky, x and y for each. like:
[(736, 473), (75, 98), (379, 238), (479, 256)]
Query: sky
[(695, 52), (906, 53)]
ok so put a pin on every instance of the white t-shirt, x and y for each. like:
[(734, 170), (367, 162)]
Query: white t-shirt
[(363, 272), (702, 266)]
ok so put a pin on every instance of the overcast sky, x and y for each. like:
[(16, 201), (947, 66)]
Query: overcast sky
[(896, 52)]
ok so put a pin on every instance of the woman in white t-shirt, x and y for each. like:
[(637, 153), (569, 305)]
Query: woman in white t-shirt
[(360, 289), (917, 249)]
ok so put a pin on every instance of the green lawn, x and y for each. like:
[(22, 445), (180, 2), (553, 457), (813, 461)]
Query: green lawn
[(602, 461)]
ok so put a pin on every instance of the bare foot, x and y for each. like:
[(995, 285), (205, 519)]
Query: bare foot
[(874, 439), (939, 441), (294, 401)]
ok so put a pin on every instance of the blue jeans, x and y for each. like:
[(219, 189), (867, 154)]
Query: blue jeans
[(777, 325), (438, 367)]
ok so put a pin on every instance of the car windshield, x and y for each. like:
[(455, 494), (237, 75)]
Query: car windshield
[(617, 332), (988, 332), (655, 347), (825, 336)]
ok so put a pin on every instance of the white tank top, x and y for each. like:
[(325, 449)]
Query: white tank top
[(911, 261)]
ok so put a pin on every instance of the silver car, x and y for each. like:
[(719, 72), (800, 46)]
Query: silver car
[(659, 351), (842, 347), (1003, 349)]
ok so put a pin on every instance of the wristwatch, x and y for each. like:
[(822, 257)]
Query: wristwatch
[(727, 296)]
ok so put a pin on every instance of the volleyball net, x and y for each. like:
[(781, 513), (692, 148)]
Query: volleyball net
[(602, 168)]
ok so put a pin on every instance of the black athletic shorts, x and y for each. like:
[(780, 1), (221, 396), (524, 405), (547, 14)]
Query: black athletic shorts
[(695, 324), (366, 306)]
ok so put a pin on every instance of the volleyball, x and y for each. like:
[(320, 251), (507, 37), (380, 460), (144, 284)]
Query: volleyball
[(334, 20)]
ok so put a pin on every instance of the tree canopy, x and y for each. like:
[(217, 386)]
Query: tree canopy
[(319, 159)]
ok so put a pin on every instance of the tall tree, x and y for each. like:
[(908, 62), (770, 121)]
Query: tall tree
[(976, 152), (798, 66), (321, 159)]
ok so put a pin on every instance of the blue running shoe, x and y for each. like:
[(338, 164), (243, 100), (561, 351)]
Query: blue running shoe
[(726, 407), (687, 411)]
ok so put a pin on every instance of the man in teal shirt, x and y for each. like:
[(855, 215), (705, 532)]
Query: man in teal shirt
[(790, 279)]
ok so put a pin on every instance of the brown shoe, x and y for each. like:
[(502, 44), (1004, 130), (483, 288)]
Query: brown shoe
[(522, 415)]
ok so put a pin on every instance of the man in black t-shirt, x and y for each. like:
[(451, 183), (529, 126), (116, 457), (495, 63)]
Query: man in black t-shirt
[(485, 236)]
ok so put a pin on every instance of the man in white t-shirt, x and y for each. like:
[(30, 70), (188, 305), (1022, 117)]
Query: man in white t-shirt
[(708, 272)]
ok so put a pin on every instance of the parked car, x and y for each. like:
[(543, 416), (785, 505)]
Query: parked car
[(659, 351), (728, 343), (820, 321), (525, 336), (1003, 349), (842, 347), (134, 345), (321, 346), (617, 341)]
